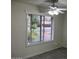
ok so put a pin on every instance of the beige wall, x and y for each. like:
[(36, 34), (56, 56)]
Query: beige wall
[(64, 44), (18, 35)]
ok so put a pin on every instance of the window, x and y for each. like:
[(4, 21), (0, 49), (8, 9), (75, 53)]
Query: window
[(39, 28)]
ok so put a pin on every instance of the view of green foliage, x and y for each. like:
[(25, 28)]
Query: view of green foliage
[(34, 27)]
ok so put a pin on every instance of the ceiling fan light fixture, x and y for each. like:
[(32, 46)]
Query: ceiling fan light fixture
[(53, 13), (50, 13)]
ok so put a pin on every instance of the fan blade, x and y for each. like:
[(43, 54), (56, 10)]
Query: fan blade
[(64, 9), (60, 12), (52, 7)]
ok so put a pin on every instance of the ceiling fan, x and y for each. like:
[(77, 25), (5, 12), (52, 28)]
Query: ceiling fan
[(53, 9)]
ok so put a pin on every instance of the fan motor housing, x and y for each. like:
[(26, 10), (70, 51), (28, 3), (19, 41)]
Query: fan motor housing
[(52, 1)]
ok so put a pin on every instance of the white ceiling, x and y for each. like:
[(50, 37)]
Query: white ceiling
[(42, 3)]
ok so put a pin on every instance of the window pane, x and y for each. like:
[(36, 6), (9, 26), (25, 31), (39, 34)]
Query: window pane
[(47, 34), (47, 28), (35, 27)]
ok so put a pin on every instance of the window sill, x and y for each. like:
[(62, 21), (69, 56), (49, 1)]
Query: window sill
[(38, 43)]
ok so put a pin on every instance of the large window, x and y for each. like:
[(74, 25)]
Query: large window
[(39, 28)]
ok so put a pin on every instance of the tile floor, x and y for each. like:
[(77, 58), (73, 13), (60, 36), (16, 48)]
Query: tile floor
[(60, 53)]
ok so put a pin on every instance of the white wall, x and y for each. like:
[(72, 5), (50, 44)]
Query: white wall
[(19, 28)]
